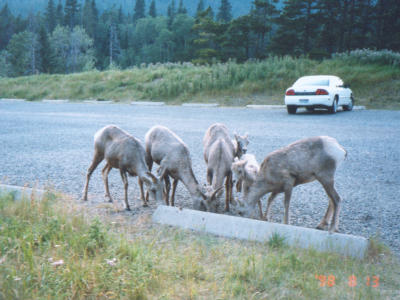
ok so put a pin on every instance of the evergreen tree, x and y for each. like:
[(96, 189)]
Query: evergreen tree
[(59, 14), (171, 12), (225, 11), (45, 51), (24, 57), (152, 9), (263, 18), (50, 16), (139, 10), (6, 26), (90, 18), (181, 8), (114, 45), (71, 11), (200, 7), (296, 29)]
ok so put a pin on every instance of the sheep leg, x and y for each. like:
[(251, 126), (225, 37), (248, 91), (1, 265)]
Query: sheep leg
[(239, 185), (228, 186), (288, 195), (335, 202), (327, 216), (98, 157), (270, 200), (125, 181), (167, 188), (209, 176), (174, 185), (142, 197), (106, 170)]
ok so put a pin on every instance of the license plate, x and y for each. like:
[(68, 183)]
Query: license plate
[(303, 100)]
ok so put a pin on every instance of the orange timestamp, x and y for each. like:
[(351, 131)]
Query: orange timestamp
[(330, 281)]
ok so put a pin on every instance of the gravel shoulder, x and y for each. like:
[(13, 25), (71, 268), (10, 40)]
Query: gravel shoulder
[(52, 145)]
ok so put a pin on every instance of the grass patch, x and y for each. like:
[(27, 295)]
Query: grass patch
[(49, 249), (374, 83)]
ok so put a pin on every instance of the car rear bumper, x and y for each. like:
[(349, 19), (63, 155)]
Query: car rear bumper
[(308, 101)]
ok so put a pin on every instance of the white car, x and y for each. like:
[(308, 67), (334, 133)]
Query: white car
[(319, 91)]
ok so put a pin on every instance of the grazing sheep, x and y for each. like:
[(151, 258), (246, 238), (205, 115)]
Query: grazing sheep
[(219, 152), (124, 152), (303, 161), (245, 171), (166, 149)]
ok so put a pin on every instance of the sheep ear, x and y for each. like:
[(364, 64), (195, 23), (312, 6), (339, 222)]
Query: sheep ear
[(246, 135), (236, 136)]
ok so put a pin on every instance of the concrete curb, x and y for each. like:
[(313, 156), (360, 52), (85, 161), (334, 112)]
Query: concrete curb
[(147, 103), (261, 231), (20, 192), (58, 101), (200, 104), (12, 100), (360, 107), (97, 101)]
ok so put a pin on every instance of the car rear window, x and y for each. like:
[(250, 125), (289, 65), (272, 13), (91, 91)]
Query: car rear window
[(312, 81)]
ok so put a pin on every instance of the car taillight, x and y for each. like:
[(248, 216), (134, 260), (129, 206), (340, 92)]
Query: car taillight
[(321, 92), (290, 93)]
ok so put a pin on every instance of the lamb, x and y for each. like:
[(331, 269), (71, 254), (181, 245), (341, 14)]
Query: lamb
[(124, 152), (245, 171), (219, 152), (303, 161), (167, 150)]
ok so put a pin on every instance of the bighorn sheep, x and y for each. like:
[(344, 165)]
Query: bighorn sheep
[(124, 152), (245, 171), (303, 161), (166, 149), (219, 152)]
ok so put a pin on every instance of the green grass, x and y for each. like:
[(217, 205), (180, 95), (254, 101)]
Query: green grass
[(375, 85), (161, 262)]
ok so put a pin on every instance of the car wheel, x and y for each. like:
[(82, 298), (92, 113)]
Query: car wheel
[(333, 108), (350, 106), (291, 109), (310, 109)]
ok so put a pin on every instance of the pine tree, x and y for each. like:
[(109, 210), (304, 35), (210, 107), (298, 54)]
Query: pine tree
[(50, 16), (45, 51), (200, 7), (181, 8), (152, 9), (139, 10), (90, 19), (171, 12), (297, 28), (263, 17), (225, 11), (114, 45), (59, 14), (6, 26), (71, 10)]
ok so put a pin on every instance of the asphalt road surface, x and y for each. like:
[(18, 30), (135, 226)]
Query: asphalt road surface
[(47, 144)]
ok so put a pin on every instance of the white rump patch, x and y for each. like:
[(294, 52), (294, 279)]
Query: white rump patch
[(333, 149)]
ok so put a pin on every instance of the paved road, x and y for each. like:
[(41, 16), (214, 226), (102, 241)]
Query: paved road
[(52, 144)]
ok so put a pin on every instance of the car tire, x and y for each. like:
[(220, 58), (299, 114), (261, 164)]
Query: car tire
[(291, 109), (350, 106), (333, 108), (310, 109)]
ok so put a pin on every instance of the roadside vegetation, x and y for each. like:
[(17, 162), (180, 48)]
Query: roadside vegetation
[(375, 83), (51, 249)]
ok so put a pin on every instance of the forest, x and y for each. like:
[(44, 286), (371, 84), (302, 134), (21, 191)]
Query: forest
[(69, 36)]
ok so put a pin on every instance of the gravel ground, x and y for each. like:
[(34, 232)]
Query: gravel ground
[(47, 144)]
